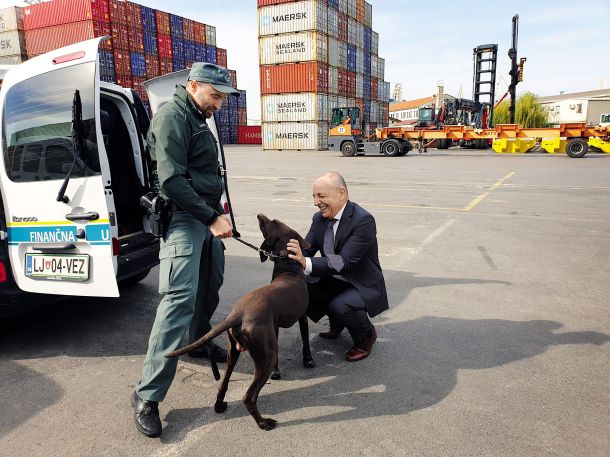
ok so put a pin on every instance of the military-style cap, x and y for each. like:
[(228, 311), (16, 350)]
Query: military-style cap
[(217, 76)]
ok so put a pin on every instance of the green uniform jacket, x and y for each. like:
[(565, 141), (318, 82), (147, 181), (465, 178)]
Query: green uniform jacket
[(185, 158)]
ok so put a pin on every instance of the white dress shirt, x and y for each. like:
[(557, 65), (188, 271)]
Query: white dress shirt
[(308, 266)]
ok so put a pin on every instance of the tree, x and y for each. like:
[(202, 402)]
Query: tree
[(529, 113)]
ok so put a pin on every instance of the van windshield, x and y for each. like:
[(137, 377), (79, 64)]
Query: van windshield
[(37, 126)]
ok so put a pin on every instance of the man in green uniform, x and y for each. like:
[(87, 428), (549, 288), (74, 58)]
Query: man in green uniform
[(186, 171)]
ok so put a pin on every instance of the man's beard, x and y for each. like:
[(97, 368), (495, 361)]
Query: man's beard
[(208, 113)]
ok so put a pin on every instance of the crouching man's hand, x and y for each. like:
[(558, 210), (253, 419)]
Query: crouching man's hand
[(294, 252)]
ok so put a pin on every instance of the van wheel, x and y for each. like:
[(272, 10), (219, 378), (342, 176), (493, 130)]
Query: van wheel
[(391, 148), (348, 149), (132, 280), (577, 148)]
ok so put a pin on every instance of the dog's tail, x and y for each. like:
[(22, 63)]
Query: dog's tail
[(231, 321)]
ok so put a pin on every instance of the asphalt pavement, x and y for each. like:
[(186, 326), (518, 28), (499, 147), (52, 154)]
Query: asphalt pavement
[(497, 341)]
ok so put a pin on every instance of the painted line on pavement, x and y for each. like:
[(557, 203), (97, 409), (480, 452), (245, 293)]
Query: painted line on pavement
[(478, 199)]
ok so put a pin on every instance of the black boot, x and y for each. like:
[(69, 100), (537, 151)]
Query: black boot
[(146, 416), (210, 350)]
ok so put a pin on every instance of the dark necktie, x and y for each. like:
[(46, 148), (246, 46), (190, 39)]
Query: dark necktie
[(334, 261)]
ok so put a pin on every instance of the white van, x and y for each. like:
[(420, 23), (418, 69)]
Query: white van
[(72, 170)]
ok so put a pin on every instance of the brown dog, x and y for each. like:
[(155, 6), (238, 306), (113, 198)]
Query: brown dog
[(254, 321)]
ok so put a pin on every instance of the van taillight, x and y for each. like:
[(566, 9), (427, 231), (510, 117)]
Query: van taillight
[(68, 57), (3, 275), (115, 246)]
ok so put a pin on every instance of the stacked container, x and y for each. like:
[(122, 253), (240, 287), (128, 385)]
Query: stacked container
[(316, 55), (12, 37), (145, 43)]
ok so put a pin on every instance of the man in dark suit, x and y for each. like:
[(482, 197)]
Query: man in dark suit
[(346, 282)]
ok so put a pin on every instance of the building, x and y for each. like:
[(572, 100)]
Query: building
[(406, 112), (576, 107)]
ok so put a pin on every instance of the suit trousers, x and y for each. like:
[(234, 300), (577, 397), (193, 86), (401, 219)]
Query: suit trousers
[(189, 278), (342, 303)]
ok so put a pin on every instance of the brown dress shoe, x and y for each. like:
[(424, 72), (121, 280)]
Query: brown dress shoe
[(363, 349), (331, 334)]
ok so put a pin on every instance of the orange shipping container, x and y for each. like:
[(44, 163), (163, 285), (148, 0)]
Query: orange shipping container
[(299, 77), (46, 39)]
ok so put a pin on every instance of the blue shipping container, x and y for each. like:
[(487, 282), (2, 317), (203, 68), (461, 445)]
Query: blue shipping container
[(106, 65), (177, 48), (351, 57), (241, 101), (200, 54), (210, 52), (150, 43), (334, 4), (138, 64), (175, 25), (368, 39), (190, 53), (178, 63), (149, 19)]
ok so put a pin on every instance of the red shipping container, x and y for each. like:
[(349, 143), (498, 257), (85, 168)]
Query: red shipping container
[(46, 39), (163, 23), (188, 29), (242, 116), (351, 83), (134, 15), (136, 40), (298, 77), (260, 3), (249, 134), (152, 66), (221, 57), (118, 11), (343, 82), (124, 80), (233, 75), (59, 12), (120, 36), (374, 88), (164, 44), (199, 32), (122, 62), (138, 86), (165, 65)]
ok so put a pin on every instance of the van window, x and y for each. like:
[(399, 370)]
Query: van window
[(37, 130)]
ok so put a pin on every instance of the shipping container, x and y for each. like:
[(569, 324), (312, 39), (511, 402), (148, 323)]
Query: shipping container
[(177, 48), (11, 19), (360, 11), (368, 14), (351, 8), (39, 41), (337, 53), (149, 40), (233, 75), (59, 12), (380, 68), (210, 35), (294, 107), (12, 60), (164, 45), (260, 3), (200, 52), (334, 4), (333, 23), (221, 57), (241, 100), (190, 51), (12, 43), (242, 116), (165, 65), (296, 77), (120, 36), (138, 64), (342, 22), (293, 17), (293, 47), (163, 26), (343, 6), (149, 19), (199, 32), (134, 15), (249, 134), (118, 11), (295, 135), (175, 25), (188, 29), (333, 80), (124, 80), (136, 40), (210, 53), (152, 66), (122, 62), (106, 59)]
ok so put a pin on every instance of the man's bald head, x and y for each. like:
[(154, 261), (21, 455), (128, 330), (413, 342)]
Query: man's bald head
[(330, 194)]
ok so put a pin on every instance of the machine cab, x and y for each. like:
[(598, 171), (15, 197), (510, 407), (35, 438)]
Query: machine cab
[(345, 122)]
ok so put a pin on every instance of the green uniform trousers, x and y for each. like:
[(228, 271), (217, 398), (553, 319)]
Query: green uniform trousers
[(190, 274)]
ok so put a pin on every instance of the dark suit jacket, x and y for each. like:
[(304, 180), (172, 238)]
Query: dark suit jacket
[(356, 243)]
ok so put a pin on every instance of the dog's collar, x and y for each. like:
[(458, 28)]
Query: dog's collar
[(270, 255)]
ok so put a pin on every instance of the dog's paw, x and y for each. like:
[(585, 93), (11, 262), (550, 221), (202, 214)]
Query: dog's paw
[(275, 374), (267, 423), (220, 406), (309, 363)]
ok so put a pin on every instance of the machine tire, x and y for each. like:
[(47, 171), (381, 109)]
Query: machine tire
[(481, 144), (348, 149), (443, 143), (391, 148), (577, 148)]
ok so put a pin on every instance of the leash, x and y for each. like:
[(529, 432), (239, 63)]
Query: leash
[(270, 255)]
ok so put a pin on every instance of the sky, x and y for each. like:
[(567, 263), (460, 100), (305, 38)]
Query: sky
[(424, 43)]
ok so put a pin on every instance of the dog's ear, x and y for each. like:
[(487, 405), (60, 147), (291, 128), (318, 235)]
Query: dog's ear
[(264, 247), (302, 242)]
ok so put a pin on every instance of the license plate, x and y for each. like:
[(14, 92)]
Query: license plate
[(62, 267)]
